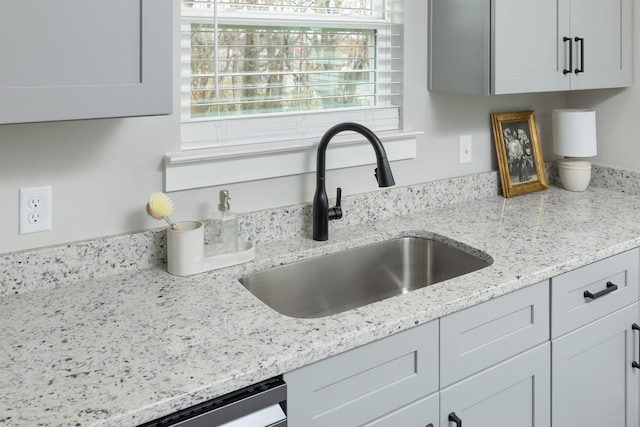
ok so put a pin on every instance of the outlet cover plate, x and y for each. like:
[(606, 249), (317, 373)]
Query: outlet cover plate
[(35, 209)]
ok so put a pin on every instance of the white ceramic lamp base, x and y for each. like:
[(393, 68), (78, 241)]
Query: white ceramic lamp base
[(575, 174)]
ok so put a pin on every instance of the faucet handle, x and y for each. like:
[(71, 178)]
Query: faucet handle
[(336, 211)]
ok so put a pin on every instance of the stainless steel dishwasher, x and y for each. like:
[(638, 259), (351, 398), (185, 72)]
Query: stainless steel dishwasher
[(246, 407)]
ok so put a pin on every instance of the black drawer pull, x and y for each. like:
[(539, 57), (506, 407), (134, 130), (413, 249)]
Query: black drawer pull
[(453, 417), (636, 327), (568, 70), (610, 288), (430, 425), (581, 41)]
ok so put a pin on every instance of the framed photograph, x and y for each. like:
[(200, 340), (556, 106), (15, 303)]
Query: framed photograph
[(519, 155)]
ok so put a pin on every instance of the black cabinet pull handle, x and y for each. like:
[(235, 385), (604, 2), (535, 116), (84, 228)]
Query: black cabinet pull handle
[(430, 425), (568, 70), (610, 288), (581, 41), (635, 364), (453, 417)]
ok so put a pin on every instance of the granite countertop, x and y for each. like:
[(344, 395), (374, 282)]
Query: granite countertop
[(128, 348)]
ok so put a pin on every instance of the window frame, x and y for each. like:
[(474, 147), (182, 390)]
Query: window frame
[(271, 155), (237, 130)]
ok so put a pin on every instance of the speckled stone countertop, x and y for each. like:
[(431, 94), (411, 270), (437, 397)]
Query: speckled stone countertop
[(130, 347)]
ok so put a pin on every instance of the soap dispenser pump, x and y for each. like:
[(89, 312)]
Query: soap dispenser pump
[(223, 236)]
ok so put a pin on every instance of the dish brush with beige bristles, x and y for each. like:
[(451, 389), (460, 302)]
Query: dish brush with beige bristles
[(160, 206)]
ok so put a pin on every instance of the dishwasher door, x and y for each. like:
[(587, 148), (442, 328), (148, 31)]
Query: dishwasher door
[(258, 405)]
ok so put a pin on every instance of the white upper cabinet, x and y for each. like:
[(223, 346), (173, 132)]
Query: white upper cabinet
[(83, 59), (601, 31), (519, 46)]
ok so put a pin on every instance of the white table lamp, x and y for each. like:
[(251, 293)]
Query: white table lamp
[(574, 137)]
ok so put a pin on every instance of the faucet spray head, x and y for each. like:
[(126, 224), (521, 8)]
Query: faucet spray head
[(383, 174)]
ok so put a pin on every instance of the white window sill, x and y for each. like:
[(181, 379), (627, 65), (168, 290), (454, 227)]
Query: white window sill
[(226, 165)]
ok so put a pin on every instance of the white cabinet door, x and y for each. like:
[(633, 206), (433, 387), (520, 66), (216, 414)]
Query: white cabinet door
[(528, 47), (603, 49), (81, 59), (512, 393), (594, 383), (459, 46)]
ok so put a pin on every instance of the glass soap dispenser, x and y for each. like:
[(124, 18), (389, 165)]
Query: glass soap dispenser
[(223, 227)]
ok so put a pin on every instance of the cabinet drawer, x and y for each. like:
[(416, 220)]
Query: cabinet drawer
[(365, 383), (570, 308), (481, 336)]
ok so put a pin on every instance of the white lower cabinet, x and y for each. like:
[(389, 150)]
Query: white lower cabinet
[(594, 382), (495, 362), (377, 384), (394, 382), (561, 353), (512, 393), (594, 344)]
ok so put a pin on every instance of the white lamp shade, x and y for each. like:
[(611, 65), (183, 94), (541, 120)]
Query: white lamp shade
[(574, 133)]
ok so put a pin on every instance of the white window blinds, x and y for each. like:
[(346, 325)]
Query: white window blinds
[(275, 70)]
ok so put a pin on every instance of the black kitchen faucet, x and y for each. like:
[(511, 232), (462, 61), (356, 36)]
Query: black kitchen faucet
[(321, 211)]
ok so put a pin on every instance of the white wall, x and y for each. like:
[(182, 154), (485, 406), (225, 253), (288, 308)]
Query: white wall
[(102, 171)]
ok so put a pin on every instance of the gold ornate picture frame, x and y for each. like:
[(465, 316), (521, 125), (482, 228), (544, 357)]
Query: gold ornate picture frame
[(519, 155)]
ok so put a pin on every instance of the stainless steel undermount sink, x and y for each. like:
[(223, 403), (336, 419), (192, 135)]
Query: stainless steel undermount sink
[(345, 280)]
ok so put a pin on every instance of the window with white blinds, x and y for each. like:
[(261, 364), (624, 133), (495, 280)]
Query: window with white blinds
[(256, 71)]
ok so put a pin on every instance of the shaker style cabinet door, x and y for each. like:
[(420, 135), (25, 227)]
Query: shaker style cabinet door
[(512, 393), (601, 32), (527, 46), (83, 59), (594, 381)]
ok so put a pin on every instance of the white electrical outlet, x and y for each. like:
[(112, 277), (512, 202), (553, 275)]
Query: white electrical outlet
[(35, 209), (465, 149)]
